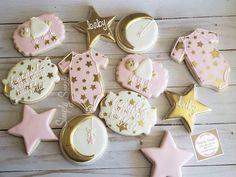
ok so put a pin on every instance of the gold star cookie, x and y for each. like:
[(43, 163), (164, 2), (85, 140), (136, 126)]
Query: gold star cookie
[(185, 107), (96, 26)]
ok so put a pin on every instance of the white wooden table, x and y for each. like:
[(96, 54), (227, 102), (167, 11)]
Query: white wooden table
[(123, 158)]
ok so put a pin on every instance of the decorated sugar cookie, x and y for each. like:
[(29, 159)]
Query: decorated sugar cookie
[(30, 80), (96, 27), (168, 159), (85, 79), (203, 59), (128, 113), (185, 107), (34, 128), (84, 139), (39, 35), (136, 33), (141, 74)]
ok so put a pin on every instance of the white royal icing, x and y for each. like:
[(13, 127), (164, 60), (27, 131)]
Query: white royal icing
[(145, 69), (38, 27)]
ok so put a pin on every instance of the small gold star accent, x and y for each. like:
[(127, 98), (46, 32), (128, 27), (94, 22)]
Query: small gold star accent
[(50, 75), (199, 44), (84, 88), (193, 52), (89, 63), (84, 80), (96, 78), (36, 46), (110, 103), (46, 42), (104, 114), (145, 89), (185, 106), (93, 87), (54, 38), (29, 67), (83, 97), (215, 53), (73, 79), (92, 29), (129, 82), (122, 126)]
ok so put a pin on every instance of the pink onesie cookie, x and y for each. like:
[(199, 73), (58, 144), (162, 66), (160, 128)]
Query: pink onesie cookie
[(141, 74), (85, 78), (203, 59), (39, 34)]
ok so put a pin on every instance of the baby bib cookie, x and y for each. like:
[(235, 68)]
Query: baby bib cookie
[(85, 79), (203, 59), (30, 80), (136, 33), (39, 35), (96, 27), (84, 139), (141, 74), (128, 113)]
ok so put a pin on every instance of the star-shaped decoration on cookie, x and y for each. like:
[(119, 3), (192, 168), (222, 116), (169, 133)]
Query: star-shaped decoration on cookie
[(215, 53), (83, 97), (73, 79), (34, 127), (29, 67), (50, 75), (199, 44), (89, 63), (96, 26), (167, 160), (185, 107), (122, 126), (93, 87), (96, 78)]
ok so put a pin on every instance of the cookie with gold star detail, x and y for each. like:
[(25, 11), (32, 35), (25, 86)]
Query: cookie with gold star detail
[(30, 80), (185, 107), (128, 113), (96, 27), (204, 60)]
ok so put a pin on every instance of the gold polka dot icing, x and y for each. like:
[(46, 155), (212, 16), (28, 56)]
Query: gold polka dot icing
[(128, 113), (84, 139), (30, 80)]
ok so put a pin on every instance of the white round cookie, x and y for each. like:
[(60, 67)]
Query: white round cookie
[(84, 139)]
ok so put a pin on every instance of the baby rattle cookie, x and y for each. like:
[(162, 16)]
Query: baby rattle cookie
[(39, 35), (141, 74), (84, 139), (136, 33), (85, 79), (128, 113), (204, 60), (96, 27), (30, 80)]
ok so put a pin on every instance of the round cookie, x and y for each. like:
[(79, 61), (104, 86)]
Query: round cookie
[(128, 113), (30, 80), (39, 34), (141, 74), (136, 33), (84, 139)]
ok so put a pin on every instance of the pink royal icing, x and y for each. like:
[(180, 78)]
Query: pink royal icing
[(39, 34), (202, 57), (141, 74), (85, 78)]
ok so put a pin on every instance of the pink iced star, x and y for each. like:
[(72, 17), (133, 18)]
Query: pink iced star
[(168, 159), (34, 127)]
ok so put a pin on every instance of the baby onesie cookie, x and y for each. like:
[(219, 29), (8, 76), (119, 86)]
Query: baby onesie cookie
[(30, 80), (204, 60), (34, 128), (96, 27), (141, 74), (84, 139), (85, 79), (136, 33), (39, 35), (128, 113)]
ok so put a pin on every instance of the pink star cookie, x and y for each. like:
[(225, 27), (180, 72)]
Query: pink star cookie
[(167, 159), (34, 127)]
